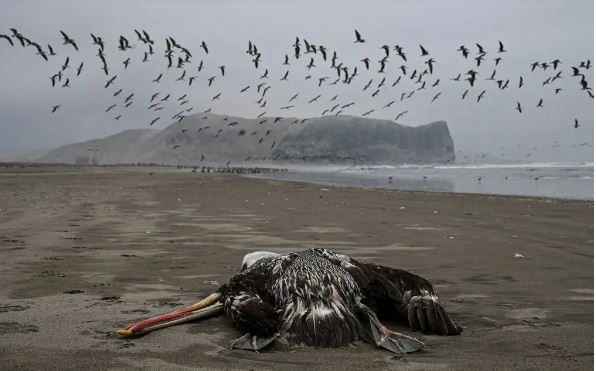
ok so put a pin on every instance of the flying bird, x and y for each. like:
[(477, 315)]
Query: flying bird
[(110, 81), (389, 104), (464, 51), (65, 65), (67, 40), (501, 48), (315, 99), (80, 69), (366, 62), (359, 38), (7, 38), (400, 115)]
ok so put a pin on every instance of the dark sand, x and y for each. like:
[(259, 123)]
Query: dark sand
[(85, 251)]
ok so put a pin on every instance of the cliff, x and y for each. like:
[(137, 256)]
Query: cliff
[(213, 139), (357, 140)]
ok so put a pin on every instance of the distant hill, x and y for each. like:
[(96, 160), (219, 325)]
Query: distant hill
[(115, 149), (219, 138)]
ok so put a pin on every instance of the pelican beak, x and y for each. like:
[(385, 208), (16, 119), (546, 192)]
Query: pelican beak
[(204, 308)]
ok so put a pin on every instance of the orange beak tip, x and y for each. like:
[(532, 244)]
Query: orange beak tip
[(124, 332)]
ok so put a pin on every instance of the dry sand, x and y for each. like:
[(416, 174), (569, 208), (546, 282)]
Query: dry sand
[(85, 251)]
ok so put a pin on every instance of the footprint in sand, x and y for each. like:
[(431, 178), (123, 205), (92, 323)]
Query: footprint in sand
[(12, 308), (16, 328), (531, 317)]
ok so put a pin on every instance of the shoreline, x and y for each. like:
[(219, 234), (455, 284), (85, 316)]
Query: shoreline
[(490, 195), (268, 173)]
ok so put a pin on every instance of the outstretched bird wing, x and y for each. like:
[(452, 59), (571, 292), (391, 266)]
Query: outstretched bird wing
[(407, 293)]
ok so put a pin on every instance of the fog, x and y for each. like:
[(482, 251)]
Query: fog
[(530, 30)]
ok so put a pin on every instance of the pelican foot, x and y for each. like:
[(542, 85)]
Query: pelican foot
[(394, 341), (252, 342)]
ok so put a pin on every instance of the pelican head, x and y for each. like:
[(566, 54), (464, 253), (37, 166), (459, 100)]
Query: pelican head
[(253, 257)]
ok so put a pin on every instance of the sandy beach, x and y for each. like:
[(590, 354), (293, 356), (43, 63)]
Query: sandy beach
[(87, 250)]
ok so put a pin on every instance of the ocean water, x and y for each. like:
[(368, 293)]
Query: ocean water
[(556, 180)]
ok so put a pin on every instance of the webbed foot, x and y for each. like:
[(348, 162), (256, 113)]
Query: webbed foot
[(252, 342)]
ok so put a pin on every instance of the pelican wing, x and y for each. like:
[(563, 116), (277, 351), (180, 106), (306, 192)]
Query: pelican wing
[(388, 290)]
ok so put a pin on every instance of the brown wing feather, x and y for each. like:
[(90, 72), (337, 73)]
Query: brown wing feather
[(397, 291)]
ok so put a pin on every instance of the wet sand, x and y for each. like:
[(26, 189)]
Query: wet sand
[(85, 251)]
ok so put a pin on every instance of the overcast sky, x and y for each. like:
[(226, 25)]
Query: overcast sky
[(530, 30)]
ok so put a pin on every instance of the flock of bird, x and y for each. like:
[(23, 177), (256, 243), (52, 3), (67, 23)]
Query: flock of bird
[(317, 63)]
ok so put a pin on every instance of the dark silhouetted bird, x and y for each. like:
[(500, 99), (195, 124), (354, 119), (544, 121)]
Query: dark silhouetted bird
[(7, 38), (400, 115), (67, 40), (359, 38), (501, 48)]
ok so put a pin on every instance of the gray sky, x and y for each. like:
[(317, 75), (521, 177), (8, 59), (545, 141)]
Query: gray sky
[(531, 31)]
